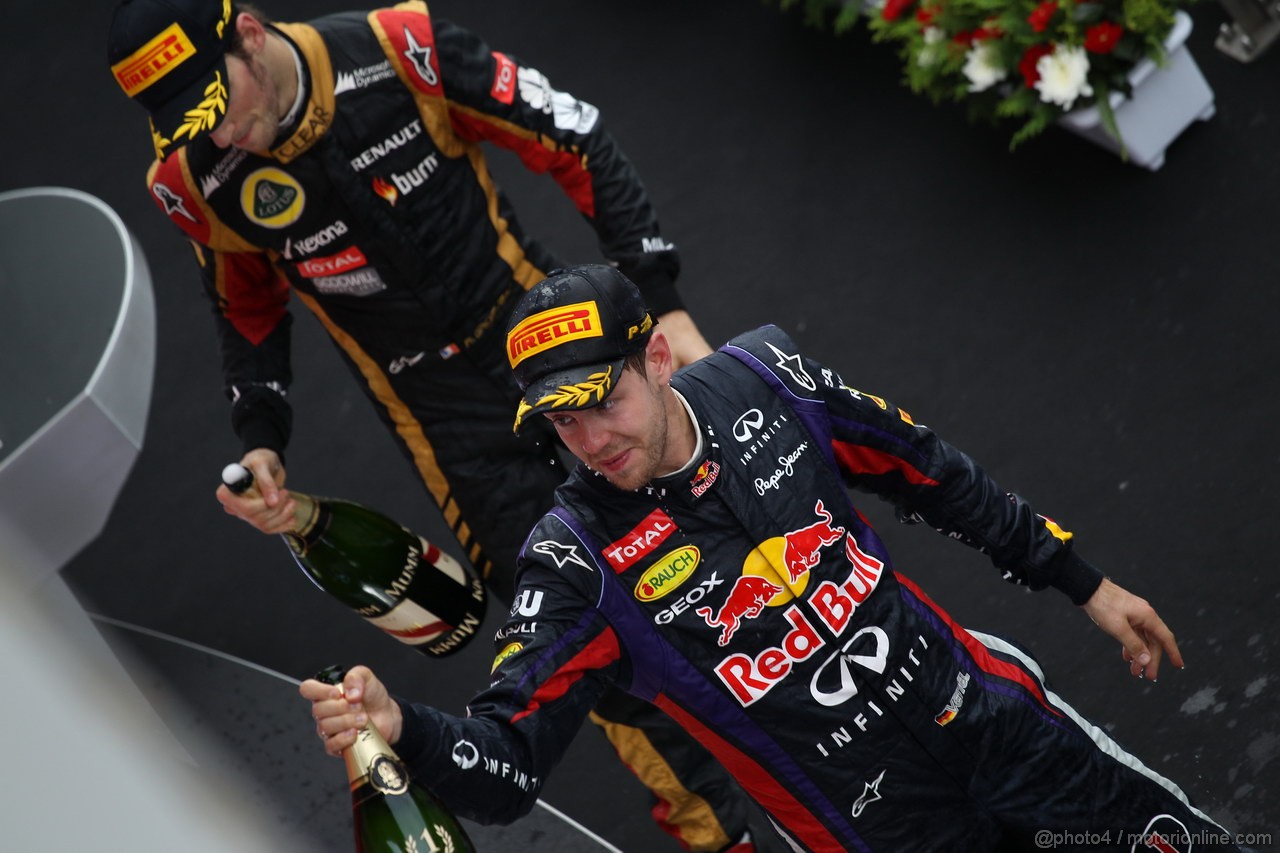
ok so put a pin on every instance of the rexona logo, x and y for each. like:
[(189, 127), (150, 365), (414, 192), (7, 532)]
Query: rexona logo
[(668, 573), (272, 198), (553, 327)]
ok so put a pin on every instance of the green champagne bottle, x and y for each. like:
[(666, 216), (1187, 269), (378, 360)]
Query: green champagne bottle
[(393, 578), (393, 813)]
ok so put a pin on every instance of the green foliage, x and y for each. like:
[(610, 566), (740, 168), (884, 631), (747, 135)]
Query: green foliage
[(993, 55)]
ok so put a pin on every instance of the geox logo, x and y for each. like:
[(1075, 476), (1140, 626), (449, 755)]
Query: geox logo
[(349, 81)]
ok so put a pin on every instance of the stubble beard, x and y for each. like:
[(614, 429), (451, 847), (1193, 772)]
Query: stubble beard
[(270, 119), (652, 453)]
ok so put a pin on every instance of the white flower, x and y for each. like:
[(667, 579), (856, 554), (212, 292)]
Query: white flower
[(930, 53), (1063, 76), (982, 66)]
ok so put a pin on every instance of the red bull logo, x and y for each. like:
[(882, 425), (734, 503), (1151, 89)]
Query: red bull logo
[(804, 546), (750, 678), (705, 477), (746, 600), (833, 605)]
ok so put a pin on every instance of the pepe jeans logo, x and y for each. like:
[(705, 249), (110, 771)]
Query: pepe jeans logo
[(272, 198)]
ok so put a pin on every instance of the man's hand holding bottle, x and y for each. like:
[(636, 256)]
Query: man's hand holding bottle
[(266, 505), (340, 711)]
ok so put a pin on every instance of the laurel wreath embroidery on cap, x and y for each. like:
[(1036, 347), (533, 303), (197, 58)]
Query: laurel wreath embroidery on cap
[(523, 410), (158, 140), (206, 113), (226, 16), (579, 395)]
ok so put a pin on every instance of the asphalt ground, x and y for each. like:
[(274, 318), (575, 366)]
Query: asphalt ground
[(1102, 338)]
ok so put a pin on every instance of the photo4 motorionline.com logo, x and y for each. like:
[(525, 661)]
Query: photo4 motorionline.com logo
[(1170, 840)]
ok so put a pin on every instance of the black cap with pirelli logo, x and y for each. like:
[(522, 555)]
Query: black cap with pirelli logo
[(170, 57), (570, 335)]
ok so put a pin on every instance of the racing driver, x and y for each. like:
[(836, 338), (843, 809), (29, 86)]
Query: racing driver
[(341, 162), (706, 557)]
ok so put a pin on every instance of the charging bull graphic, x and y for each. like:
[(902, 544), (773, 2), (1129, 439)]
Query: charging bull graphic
[(803, 548), (746, 600)]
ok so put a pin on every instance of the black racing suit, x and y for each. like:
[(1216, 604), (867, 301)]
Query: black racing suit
[(750, 600), (375, 208)]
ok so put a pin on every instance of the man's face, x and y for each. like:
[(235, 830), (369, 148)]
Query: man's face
[(626, 437), (253, 106)]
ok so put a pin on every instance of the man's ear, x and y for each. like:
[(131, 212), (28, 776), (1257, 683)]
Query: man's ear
[(252, 33), (658, 358)]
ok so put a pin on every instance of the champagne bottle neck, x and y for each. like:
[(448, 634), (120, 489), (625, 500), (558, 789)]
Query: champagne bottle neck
[(310, 520), (371, 760)]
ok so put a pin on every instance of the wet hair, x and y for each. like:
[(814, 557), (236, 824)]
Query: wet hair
[(636, 361)]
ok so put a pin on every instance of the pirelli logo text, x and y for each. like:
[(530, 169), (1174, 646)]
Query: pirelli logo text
[(151, 62), (551, 328)]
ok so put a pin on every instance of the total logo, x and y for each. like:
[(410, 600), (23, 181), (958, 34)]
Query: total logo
[(344, 261), (643, 538)]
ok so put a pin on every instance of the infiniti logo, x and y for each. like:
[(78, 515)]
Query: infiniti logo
[(465, 755), (744, 427), (876, 661)]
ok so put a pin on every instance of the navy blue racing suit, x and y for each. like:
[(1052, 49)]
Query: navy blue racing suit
[(749, 599)]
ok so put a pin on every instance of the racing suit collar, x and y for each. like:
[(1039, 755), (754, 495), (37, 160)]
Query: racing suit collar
[(685, 485), (319, 101)]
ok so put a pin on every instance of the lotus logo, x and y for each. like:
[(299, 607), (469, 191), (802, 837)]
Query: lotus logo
[(744, 428)]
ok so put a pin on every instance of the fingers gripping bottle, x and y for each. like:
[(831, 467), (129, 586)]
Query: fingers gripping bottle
[(393, 578), (393, 813)]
